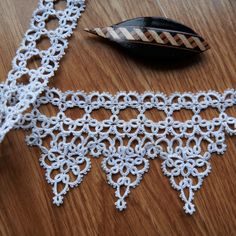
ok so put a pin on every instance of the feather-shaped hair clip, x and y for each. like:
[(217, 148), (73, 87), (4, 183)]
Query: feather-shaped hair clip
[(154, 35)]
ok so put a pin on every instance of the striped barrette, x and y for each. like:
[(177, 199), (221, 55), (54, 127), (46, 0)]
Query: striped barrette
[(154, 33)]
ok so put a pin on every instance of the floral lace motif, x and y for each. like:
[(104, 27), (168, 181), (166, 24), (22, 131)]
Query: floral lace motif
[(127, 147), (15, 96)]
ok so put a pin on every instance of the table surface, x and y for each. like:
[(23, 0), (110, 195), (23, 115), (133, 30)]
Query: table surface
[(154, 208)]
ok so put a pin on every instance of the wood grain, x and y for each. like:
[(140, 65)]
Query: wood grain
[(154, 208)]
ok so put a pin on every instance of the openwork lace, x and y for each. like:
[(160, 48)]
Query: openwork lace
[(126, 147), (15, 97), (184, 147)]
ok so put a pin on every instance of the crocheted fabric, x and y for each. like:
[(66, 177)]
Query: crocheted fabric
[(126, 147), (15, 96)]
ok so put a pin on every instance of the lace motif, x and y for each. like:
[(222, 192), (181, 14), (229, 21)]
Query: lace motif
[(127, 147), (15, 97)]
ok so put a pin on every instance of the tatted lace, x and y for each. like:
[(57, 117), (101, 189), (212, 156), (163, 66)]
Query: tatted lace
[(126, 147), (15, 97)]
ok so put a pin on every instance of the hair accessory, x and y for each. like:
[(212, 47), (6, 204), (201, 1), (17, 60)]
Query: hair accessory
[(154, 33)]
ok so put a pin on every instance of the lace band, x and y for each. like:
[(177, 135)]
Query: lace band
[(127, 146), (15, 96)]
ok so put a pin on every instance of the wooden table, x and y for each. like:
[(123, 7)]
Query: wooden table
[(154, 208)]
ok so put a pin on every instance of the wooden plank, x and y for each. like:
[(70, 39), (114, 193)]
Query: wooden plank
[(154, 208)]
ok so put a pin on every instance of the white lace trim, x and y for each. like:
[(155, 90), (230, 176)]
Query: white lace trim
[(128, 146), (185, 148), (16, 97)]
